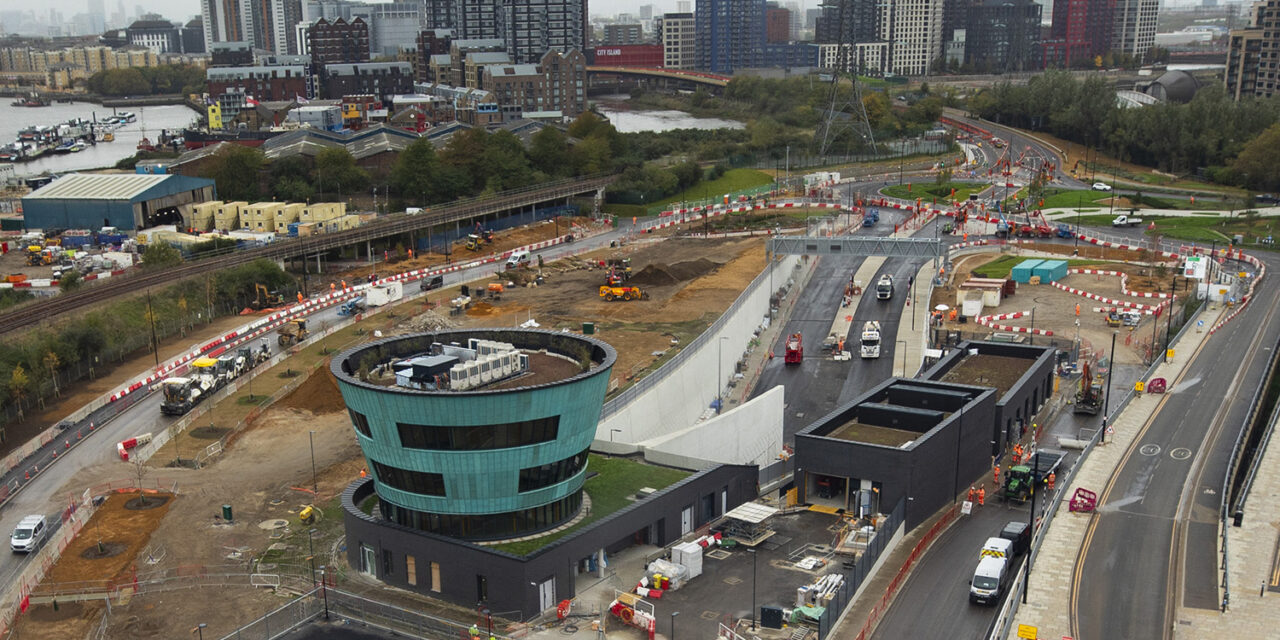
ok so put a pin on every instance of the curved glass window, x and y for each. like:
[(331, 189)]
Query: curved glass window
[(420, 482), (478, 437), (533, 478)]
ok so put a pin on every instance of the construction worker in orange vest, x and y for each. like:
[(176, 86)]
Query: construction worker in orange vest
[(995, 474), (982, 495), (1052, 478), (971, 493)]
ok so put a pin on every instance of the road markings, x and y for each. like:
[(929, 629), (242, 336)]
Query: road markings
[(1150, 450), (1181, 453)]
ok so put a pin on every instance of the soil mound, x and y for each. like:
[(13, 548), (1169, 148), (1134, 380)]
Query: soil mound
[(319, 394), (654, 275), (661, 275)]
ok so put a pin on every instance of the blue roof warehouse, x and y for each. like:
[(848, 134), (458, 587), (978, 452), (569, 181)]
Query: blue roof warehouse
[(129, 202)]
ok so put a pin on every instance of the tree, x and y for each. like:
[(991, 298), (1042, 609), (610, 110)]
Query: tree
[(465, 152), (185, 311), (416, 172), (293, 190), (505, 162), (160, 255), (1259, 162), (140, 470), (70, 281), (549, 152), (51, 364), (19, 384), (235, 169), (336, 172)]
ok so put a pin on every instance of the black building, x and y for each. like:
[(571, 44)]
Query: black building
[(231, 54), (381, 79), (1003, 35), (860, 20), (192, 35)]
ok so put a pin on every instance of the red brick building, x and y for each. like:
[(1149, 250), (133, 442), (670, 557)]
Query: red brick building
[(338, 42), (629, 55), (777, 24)]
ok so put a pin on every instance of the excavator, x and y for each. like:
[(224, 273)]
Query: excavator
[(265, 298), (480, 238), (1089, 395), (622, 293)]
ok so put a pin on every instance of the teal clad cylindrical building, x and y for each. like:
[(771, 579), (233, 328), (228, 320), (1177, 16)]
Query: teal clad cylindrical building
[(477, 434)]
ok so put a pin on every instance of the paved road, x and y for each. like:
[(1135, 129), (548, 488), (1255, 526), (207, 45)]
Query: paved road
[(1152, 548)]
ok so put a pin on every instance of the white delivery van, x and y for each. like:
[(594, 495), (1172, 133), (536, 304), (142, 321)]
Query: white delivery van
[(29, 534), (997, 548), (517, 259), (988, 580)]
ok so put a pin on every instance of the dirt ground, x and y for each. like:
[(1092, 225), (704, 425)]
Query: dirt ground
[(505, 240), (1055, 309), (265, 474), (15, 261), (1001, 372)]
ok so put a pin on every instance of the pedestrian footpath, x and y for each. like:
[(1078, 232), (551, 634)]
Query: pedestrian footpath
[(1047, 604)]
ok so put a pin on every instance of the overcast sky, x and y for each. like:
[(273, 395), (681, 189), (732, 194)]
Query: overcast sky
[(179, 9)]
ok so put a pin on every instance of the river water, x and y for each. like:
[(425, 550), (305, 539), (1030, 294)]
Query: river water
[(105, 154), (628, 120)]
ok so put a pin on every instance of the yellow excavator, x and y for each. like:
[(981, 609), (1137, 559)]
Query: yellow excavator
[(622, 293), (265, 298)]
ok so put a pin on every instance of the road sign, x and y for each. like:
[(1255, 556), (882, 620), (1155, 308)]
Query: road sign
[(966, 507), (1027, 632)]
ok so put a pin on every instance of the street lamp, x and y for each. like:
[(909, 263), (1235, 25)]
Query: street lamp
[(315, 485), (673, 624), (200, 630), (753, 588), (324, 593), (720, 373), (1106, 400)]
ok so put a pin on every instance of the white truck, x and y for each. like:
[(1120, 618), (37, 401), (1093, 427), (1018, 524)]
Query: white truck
[(989, 579), (385, 293), (870, 347), (1124, 220), (884, 287)]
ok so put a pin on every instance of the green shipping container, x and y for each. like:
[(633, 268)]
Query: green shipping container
[(588, 328)]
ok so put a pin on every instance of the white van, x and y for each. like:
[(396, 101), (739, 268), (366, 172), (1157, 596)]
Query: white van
[(29, 534), (997, 548), (988, 580), (517, 259)]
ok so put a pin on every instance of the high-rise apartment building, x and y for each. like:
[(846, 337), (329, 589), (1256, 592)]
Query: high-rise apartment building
[(478, 19), (915, 29), (1003, 35), (1135, 26), (534, 27), (1080, 33), (619, 34), (777, 23), (677, 33), (225, 21), (730, 34), (1251, 70), (273, 25), (860, 20)]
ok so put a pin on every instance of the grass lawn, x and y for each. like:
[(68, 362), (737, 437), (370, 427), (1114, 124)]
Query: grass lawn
[(733, 181), (616, 481), (1000, 267), (1057, 199), (930, 190), (1200, 228)]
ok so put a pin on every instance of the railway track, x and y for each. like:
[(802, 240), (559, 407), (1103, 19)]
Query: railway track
[(26, 315)]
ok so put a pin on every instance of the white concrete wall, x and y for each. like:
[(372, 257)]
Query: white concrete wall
[(684, 395), (748, 434)]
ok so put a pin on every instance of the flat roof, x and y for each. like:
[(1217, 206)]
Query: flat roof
[(81, 186), (751, 512), (988, 370)]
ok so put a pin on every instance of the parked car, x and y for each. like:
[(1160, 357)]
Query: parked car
[(1266, 198), (29, 534), (1101, 186)]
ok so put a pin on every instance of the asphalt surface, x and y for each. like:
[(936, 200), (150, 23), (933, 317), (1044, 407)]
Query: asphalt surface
[(1152, 547)]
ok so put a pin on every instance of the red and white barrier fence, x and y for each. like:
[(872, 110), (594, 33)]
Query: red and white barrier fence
[(123, 447)]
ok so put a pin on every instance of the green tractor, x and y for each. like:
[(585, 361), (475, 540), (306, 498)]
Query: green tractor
[(1017, 484)]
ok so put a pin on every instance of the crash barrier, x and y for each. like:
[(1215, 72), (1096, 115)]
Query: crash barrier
[(922, 547), (991, 321), (1004, 621), (123, 447)]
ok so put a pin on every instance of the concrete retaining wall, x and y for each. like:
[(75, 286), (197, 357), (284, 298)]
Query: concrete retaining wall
[(685, 393), (748, 434)]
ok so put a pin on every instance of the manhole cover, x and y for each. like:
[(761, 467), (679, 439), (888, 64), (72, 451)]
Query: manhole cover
[(733, 580), (718, 554), (710, 615), (270, 525)]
